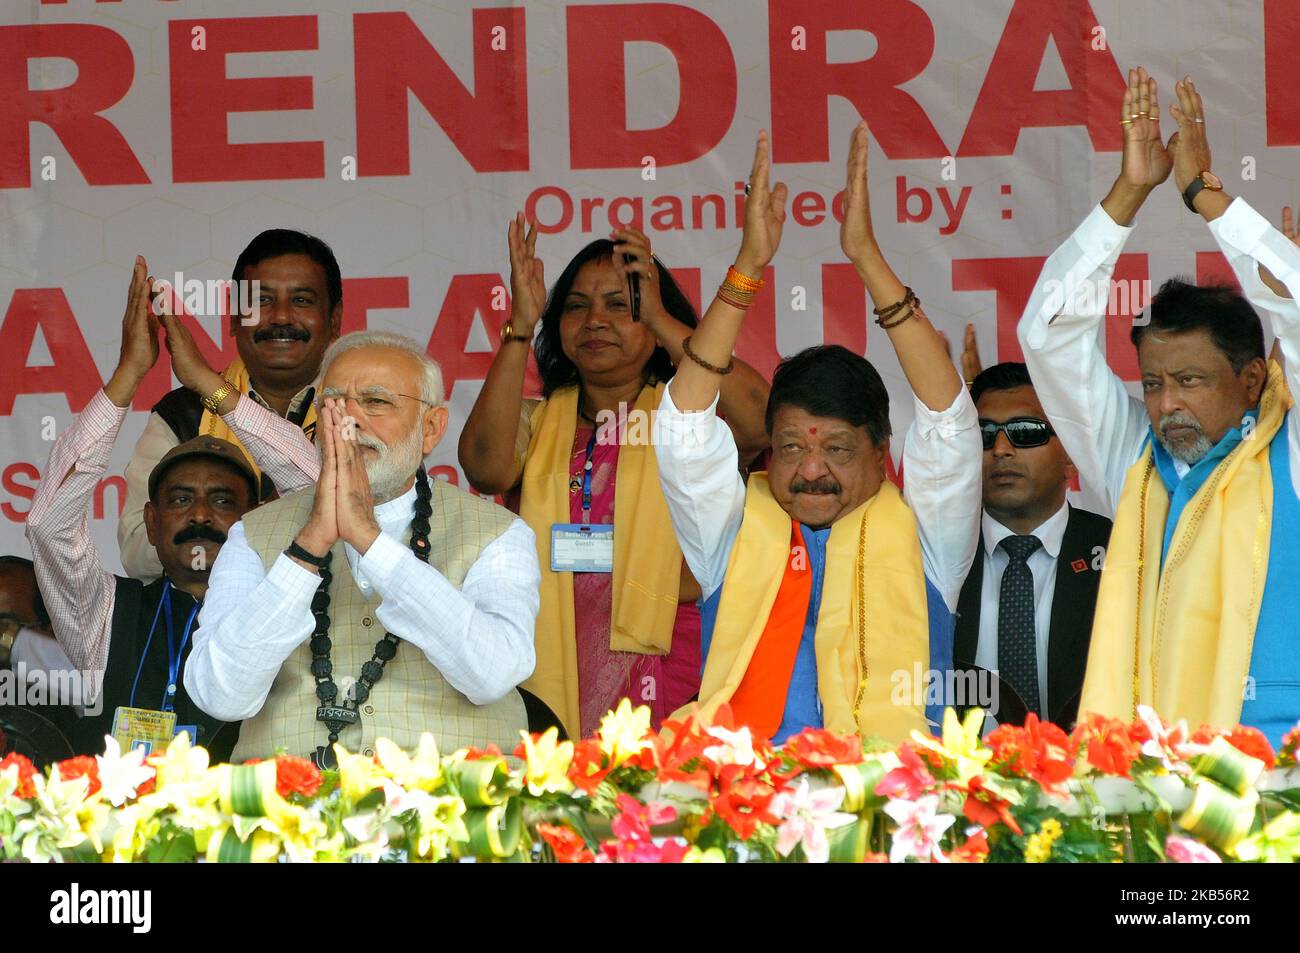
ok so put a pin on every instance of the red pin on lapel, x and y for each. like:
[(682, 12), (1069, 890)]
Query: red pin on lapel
[(1079, 565)]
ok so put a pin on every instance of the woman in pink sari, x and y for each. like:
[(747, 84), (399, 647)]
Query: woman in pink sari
[(618, 616)]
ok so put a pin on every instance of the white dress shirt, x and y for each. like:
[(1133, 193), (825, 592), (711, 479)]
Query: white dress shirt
[(1102, 427), (1042, 564), (942, 463), (480, 637)]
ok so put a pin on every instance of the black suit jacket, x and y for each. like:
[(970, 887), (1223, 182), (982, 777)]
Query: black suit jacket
[(1073, 600)]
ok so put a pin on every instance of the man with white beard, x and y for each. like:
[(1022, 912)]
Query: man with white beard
[(313, 594)]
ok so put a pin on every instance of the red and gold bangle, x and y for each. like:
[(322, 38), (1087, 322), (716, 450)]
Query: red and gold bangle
[(742, 281), (730, 296)]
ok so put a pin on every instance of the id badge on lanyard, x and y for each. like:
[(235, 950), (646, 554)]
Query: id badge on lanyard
[(581, 547), (149, 728)]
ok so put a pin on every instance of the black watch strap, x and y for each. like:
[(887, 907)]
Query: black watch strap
[(1193, 190), (297, 552)]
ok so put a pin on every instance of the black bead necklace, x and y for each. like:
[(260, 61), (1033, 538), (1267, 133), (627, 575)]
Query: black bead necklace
[(337, 716)]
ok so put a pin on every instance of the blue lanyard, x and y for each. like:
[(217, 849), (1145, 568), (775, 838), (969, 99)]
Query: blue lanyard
[(174, 653), (586, 479)]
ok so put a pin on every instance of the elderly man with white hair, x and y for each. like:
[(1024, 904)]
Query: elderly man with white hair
[(313, 595)]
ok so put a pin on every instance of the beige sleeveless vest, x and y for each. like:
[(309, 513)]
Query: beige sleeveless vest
[(412, 697)]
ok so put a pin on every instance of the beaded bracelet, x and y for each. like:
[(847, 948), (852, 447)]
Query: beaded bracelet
[(886, 313), (711, 368)]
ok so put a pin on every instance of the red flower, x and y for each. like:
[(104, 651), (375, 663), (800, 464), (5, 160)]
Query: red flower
[(82, 766), (147, 787), (482, 754), (568, 846), (1111, 749), (910, 780), (588, 767), (985, 808), (743, 801), (974, 851), (818, 748), (295, 775), (677, 745), (26, 771), (1251, 741), (1204, 735), (1040, 750)]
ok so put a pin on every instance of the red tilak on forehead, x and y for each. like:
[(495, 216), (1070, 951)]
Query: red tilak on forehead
[(812, 430)]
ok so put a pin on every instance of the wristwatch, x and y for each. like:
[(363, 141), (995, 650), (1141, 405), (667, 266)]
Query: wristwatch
[(508, 334), (1206, 180), (213, 400)]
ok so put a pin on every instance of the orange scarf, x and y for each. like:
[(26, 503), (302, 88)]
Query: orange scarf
[(759, 702)]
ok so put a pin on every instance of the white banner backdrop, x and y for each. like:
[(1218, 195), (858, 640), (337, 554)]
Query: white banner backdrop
[(407, 134)]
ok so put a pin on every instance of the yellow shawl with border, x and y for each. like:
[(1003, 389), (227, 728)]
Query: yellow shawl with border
[(873, 624), (647, 559), (1180, 639)]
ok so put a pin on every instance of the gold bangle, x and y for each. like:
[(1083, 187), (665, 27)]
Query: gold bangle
[(727, 296), (711, 368), (213, 400), (742, 281)]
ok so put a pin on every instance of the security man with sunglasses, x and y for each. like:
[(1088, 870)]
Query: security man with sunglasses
[(1025, 611)]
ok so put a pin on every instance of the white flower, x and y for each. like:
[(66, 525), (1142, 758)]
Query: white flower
[(737, 747), (120, 775), (808, 815)]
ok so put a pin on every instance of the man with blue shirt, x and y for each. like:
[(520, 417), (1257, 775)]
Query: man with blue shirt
[(828, 593), (1196, 613)]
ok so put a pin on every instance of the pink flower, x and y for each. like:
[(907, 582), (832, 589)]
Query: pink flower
[(671, 851), (1184, 850), (919, 828), (807, 816), (910, 780), (635, 819)]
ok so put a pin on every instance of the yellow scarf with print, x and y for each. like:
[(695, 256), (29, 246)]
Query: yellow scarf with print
[(212, 425), (873, 622), (647, 559), (1180, 639)]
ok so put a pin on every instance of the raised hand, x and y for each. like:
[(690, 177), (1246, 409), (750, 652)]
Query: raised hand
[(321, 531), (764, 214), (139, 350), (527, 276), (632, 255), (1146, 161), (187, 363), (1189, 145), (857, 238), (354, 506), (971, 365)]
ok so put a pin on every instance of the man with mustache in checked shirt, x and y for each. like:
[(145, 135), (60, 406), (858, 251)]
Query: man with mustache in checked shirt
[(137, 634), (263, 401)]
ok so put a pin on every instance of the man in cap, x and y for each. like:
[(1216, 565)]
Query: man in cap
[(136, 634)]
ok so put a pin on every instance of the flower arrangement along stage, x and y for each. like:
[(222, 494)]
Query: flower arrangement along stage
[(693, 793)]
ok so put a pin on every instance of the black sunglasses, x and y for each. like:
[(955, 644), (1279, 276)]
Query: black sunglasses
[(1021, 432)]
